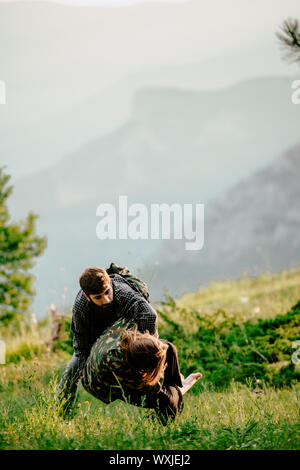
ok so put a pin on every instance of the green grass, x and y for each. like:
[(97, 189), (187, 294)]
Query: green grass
[(265, 296), (232, 418), (235, 419)]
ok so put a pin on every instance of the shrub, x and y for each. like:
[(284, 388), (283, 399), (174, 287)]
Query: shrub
[(225, 349)]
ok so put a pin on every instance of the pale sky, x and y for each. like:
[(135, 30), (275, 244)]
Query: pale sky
[(55, 56), (115, 3), (100, 3)]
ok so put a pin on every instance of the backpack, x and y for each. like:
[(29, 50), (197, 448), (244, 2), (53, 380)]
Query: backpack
[(136, 283)]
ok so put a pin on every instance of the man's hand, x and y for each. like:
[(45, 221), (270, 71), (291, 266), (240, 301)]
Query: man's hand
[(154, 334)]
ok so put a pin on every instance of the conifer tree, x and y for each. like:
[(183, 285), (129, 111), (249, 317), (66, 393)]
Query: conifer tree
[(19, 245)]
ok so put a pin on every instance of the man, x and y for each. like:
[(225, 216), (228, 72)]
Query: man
[(102, 299)]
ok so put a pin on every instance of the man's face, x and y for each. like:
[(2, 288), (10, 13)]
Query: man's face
[(106, 297)]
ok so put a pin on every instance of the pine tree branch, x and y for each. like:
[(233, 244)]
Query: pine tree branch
[(289, 37)]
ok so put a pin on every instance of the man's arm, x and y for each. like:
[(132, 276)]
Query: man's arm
[(145, 316), (80, 329), (132, 304)]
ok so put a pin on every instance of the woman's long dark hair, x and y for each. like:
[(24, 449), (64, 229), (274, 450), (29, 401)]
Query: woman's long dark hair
[(145, 354)]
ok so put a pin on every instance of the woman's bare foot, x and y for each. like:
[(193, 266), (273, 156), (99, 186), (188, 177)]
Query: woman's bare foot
[(189, 381)]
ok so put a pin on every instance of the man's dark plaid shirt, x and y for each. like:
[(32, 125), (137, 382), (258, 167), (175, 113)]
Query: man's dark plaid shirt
[(89, 321)]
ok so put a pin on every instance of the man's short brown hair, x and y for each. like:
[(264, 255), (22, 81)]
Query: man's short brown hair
[(92, 280)]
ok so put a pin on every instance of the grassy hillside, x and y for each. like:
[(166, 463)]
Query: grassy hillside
[(263, 297), (250, 415)]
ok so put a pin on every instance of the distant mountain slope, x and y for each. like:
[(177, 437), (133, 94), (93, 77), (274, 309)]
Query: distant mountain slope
[(71, 73), (178, 146), (253, 227), (41, 141)]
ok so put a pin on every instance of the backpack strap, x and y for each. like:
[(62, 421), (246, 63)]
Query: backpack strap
[(137, 284)]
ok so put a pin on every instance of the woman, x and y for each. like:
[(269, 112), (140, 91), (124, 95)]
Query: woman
[(137, 368)]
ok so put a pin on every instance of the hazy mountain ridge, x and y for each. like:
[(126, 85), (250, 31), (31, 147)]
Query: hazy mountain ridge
[(252, 227), (178, 146), (66, 88), (186, 127)]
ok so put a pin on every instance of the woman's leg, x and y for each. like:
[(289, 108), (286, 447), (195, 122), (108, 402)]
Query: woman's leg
[(168, 403), (172, 374), (174, 387)]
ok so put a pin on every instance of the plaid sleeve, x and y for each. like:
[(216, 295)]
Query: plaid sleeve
[(145, 316), (80, 329), (132, 304)]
